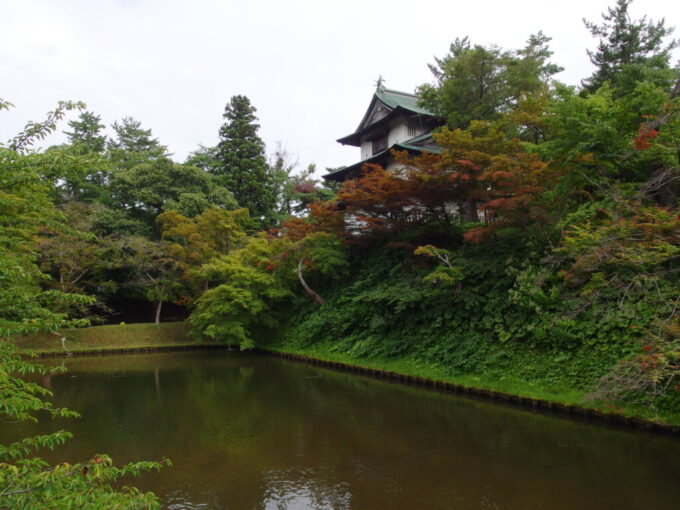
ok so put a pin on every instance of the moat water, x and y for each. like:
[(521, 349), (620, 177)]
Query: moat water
[(247, 431)]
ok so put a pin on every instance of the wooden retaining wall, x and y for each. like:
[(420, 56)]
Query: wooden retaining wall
[(537, 403)]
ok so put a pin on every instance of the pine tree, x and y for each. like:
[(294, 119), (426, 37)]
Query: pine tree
[(243, 166), (480, 83), (629, 50), (133, 145), (130, 137), (89, 183), (87, 132)]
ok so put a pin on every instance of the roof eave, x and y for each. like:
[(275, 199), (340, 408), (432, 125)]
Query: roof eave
[(339, 175), (354, 139)]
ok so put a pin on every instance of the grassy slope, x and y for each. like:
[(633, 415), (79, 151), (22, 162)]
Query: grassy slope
[(419, 368), (118, 336), (488, 381)]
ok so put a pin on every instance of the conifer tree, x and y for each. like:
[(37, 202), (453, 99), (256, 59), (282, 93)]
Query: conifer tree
[(629, 50), (87, 132), (243, 168), (474, 82), (87, 183), (130, 137), (133, 145)]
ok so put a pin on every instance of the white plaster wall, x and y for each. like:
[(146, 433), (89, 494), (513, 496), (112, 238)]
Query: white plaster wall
[(353, 224), (398, 132), (366, 149), (394, 167)]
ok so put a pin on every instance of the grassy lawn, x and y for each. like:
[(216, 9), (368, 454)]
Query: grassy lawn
[(117, 336)]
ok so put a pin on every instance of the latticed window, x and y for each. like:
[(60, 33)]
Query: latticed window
[(379, 143), (414, 128)]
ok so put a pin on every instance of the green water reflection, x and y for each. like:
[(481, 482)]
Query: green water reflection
[(253, 432)]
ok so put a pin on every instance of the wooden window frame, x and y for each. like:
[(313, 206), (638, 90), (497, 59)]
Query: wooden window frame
[(379, 143)]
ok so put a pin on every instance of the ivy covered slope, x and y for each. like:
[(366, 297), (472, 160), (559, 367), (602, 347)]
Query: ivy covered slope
[(498, 320)]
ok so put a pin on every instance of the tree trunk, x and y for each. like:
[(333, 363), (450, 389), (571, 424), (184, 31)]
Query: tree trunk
[(469, 211), (309, 291), (159, 305)]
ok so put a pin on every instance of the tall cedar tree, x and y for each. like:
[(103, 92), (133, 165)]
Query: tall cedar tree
[(629, 51), (243, 166), (87, 132)]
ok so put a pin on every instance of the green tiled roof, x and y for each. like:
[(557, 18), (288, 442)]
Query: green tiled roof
[(398, 103), (420, 138), (395, 98), (414, 144)]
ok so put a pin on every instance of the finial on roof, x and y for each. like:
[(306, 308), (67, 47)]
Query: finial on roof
[(379, 83)]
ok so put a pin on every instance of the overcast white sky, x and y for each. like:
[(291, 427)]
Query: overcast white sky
[(309, 66)]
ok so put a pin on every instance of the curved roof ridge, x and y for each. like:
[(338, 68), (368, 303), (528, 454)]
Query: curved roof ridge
[(395, 91), (398, 98), (395, 102)]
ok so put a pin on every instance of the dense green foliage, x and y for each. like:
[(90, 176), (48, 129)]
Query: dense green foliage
[(498, 311), (27, 481), (26, 209), (542, 244), (251, 282), (93, 228), (480, 83), (125, 209)]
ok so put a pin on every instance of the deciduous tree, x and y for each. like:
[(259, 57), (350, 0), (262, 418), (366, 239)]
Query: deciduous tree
[(149, 188), (242, 300), (155, 272), (196, 241), (26, 481)]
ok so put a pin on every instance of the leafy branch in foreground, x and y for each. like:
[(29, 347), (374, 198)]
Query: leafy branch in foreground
[(26, 212), (34, 131), (28, 482)]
